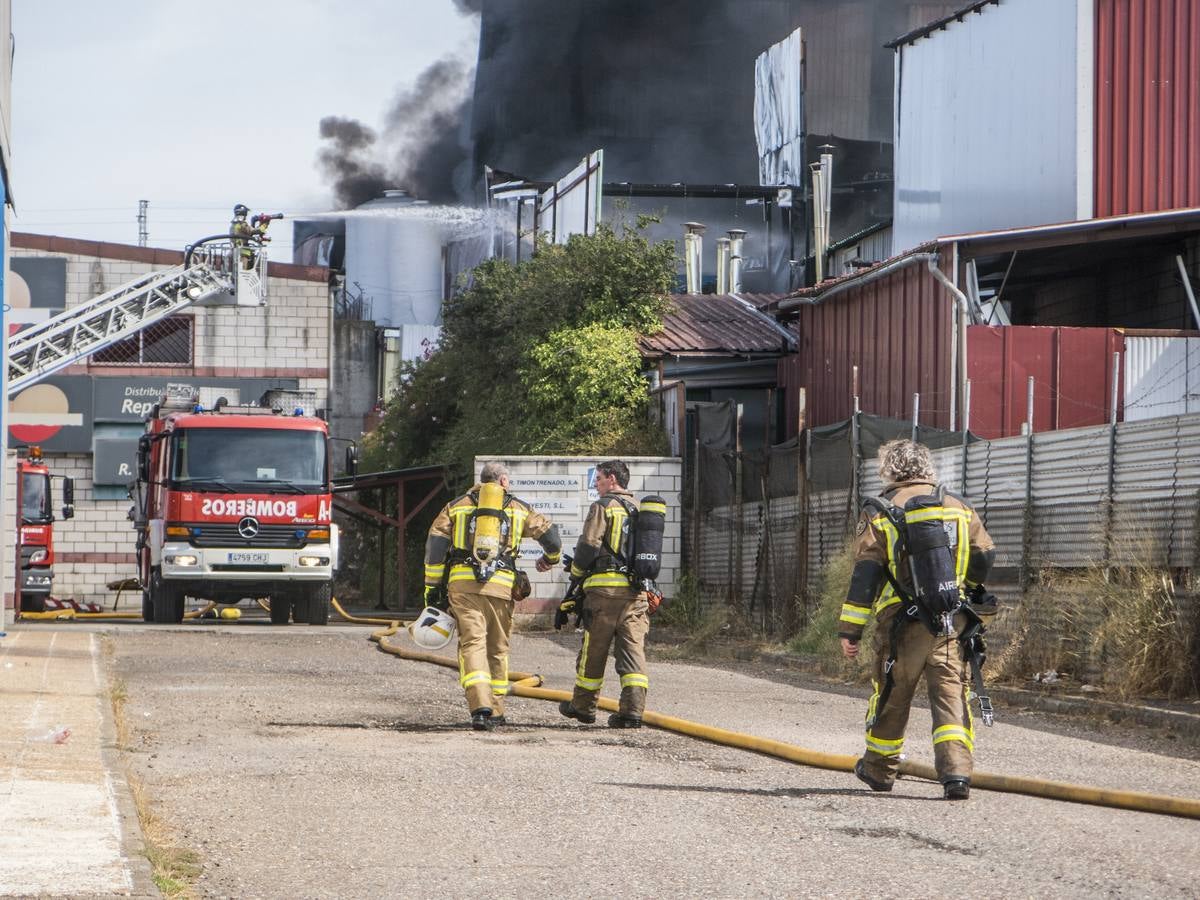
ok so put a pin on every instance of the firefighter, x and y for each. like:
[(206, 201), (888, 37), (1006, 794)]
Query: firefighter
[(479, 593), (905, 644), (614, 611), (242, 231)]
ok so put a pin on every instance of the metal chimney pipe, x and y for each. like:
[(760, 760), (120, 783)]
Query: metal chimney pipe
[(736, 238), (693, 255), (723, 265), (818, 207)]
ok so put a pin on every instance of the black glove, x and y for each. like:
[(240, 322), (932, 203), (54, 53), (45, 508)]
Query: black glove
[(437, 597), (563, 613), (983, 601)]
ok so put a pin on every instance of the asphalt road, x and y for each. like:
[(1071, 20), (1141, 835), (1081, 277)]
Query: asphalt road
[(303, 762)]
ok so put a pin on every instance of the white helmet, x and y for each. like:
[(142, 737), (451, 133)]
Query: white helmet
[(433, 629)]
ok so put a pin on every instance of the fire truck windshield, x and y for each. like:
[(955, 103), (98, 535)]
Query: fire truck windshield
[(35, 498), (258, 460)]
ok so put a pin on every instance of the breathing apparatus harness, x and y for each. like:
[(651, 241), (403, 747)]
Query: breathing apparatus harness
[(637, 555), (487, 547), (923, 536)]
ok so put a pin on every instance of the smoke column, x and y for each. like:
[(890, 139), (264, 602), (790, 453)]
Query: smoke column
[(423, 145)]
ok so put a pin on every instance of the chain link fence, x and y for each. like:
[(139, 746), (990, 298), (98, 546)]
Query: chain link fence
[(760, 526)]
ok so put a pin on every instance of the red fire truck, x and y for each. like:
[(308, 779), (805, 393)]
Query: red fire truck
[(234, 502), (35, 531)]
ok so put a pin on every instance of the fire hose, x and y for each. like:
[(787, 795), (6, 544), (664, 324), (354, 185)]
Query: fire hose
[(67, 615), (526, 685)]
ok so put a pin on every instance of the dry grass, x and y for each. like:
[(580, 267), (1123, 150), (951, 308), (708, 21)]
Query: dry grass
[(1128, 632), (174, 868), (819, 639)]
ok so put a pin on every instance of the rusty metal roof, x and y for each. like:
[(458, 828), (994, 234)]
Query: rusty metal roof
[(719, 325)]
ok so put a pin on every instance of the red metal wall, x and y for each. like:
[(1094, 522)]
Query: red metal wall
[(1071, 367), (896, 330), (1147, 109)]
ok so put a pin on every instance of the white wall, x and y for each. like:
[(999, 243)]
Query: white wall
[(993, 124), (557, 486)]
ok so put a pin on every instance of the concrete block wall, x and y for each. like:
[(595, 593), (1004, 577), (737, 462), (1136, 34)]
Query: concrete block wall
[(558, 486)]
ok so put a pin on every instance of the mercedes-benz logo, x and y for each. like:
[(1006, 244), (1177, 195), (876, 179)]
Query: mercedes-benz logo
[(248, 528)]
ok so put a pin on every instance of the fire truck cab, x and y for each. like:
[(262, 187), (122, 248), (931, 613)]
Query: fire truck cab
[(234, 502), (35, 530)]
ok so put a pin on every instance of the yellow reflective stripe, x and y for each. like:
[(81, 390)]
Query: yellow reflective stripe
[(635, 679), (883, 746), (886, 599), (474, 678), (873, 701), (499, 687), (434, 573), (461, 515), (936, 512), (553, 558), (953, 733), (855, 615), (964, 551), (589, 684), (517, 516), (606, 579), (616, 515), (654, 508), (502, 577), (583, 652), (577, 572)]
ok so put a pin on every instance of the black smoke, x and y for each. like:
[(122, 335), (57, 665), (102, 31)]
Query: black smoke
[(666, 88), (347, 161), (424, 144)]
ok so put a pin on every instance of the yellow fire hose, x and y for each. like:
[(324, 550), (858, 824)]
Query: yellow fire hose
[(66, 615), (1034, 787)]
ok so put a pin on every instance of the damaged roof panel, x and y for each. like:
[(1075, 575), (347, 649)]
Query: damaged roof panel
[(719, 325)]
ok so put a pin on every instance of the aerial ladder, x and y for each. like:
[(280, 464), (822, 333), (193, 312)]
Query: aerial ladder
[(222, 270)]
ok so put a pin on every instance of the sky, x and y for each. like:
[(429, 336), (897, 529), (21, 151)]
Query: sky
[(198, 106)]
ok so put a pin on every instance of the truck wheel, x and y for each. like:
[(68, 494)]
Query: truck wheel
[(281, 606), (166, 599), (318, 604), (33, 602)]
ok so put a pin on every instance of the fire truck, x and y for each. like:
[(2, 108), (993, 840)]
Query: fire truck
[(35, 530), (234, 502)]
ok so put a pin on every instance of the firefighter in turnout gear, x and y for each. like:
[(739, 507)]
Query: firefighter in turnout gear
[(242, 231), (917, 625), (615, 613), (470, 568)]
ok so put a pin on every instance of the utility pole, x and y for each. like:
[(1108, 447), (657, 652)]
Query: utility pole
[(143, 223)]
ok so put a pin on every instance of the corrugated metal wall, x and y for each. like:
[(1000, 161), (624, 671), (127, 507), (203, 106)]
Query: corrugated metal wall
[(897, 330), (1071, 368), (982, 141), (1147, 150), (1162, 377)]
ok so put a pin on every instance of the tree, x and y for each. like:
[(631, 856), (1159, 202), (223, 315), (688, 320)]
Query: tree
[(540, 357)]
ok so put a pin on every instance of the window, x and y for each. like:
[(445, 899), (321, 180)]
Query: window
[(266, 459), (165, 343)]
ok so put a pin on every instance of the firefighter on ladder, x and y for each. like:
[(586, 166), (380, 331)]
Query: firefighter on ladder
[(905, 645), (480, 589)]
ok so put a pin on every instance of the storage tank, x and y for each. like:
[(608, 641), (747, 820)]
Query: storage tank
[(394, 253)]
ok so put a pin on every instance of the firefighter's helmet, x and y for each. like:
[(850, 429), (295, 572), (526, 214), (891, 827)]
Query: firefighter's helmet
[(433, 629), (241, 210)]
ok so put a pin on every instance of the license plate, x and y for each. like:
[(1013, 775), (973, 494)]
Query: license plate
[(248, 559)]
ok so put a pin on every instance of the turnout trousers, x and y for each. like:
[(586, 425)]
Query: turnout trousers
[(946, 679), (616, 619), (484, 626)]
